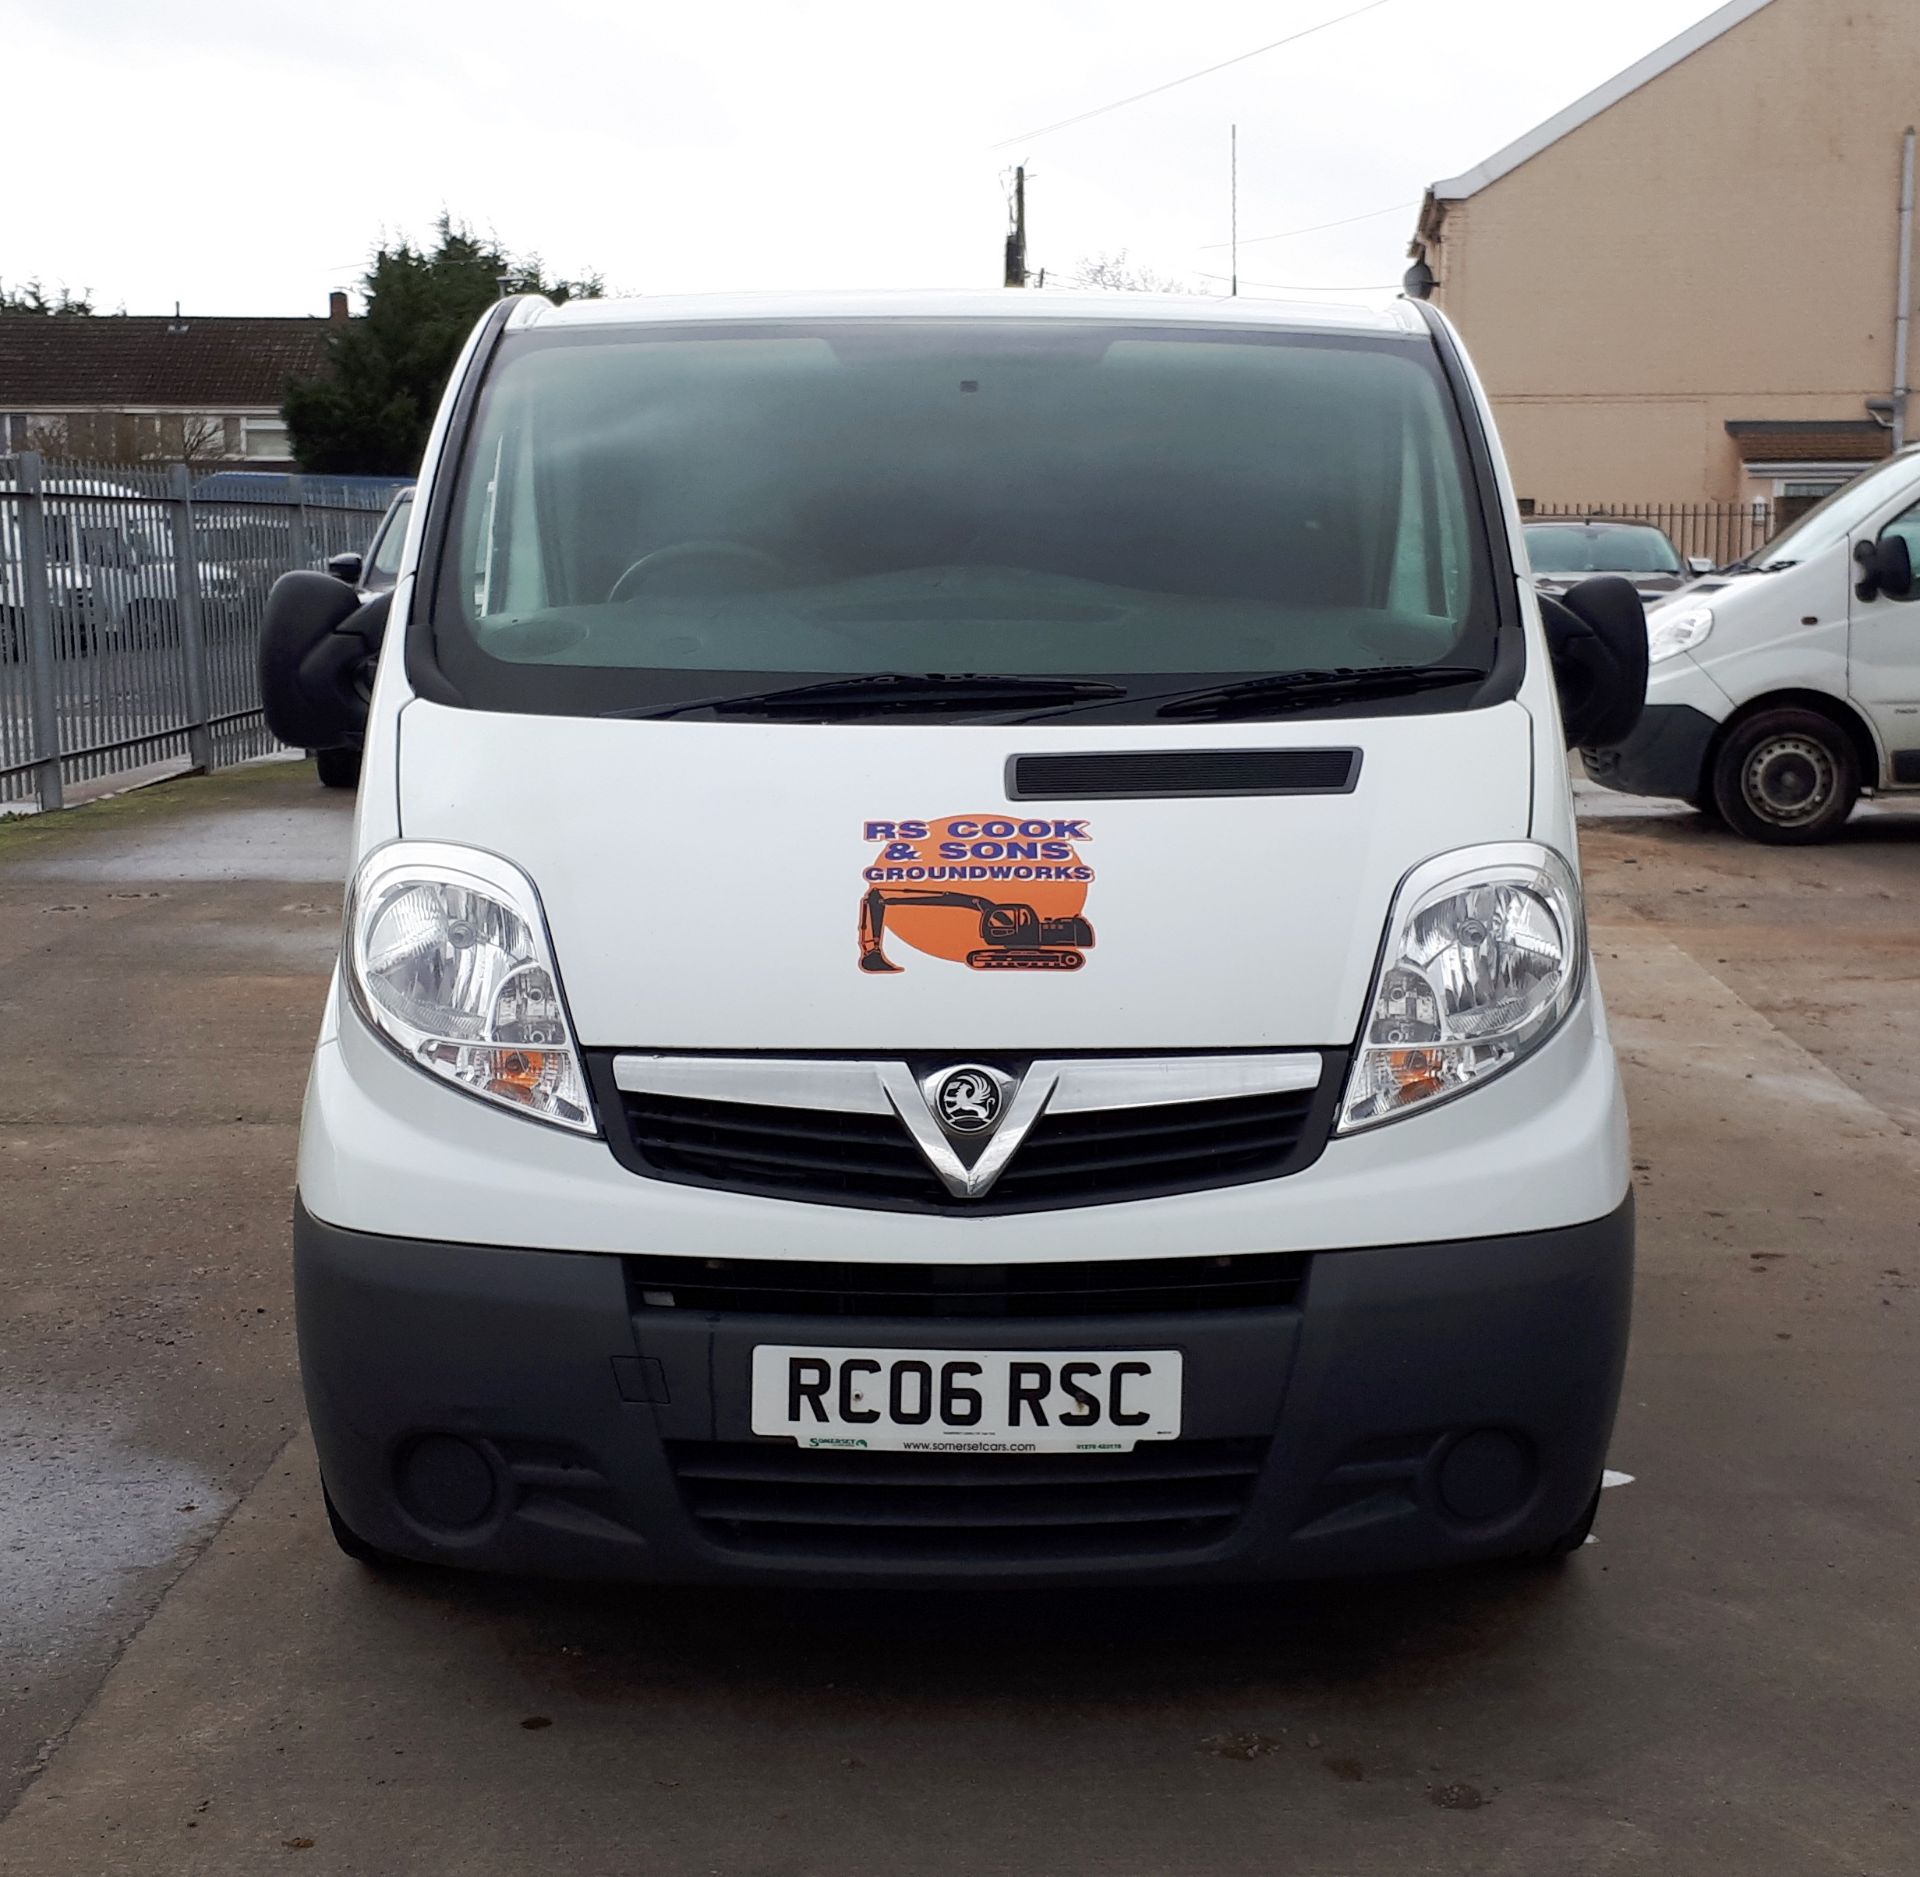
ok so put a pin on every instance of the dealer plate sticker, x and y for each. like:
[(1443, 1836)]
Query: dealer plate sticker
[(967, 1400)]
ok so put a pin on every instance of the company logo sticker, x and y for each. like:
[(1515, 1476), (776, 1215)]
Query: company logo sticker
[(991, 892)]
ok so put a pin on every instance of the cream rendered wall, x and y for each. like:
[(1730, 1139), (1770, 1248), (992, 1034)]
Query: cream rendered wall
[(1719, 244)]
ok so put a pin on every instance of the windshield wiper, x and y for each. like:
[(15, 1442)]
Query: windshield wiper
[(889, 690), (1304, 690)]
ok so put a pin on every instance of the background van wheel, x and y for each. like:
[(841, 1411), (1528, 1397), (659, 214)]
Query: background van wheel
[(1787, 777), (352, 1543), (339, 768)]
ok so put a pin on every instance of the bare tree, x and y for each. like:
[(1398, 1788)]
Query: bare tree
[(194, 438), (202, 440), (1115, 273)]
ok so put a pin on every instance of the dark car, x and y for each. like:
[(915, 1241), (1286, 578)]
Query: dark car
[(1567, 551), (371, 573), (379, 567)]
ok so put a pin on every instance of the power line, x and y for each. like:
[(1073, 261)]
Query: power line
[(1240, 58), (1318, 227)]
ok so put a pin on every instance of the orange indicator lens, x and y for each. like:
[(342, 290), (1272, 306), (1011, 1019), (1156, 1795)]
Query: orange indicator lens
[(517, 1071), (1416, 1072)]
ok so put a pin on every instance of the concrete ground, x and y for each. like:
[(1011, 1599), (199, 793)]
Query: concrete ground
[(194, 1681)]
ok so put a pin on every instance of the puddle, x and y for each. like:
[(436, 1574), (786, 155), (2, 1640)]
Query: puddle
[(80, 1508)]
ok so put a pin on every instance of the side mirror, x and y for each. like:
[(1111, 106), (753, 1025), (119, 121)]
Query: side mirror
[(318, 647), (1886, 568), (1699, 565), (1597, 637), (346, 567)]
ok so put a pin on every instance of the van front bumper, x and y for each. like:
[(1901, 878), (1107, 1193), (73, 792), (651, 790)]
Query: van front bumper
[(529, 1411), (1665, 754)]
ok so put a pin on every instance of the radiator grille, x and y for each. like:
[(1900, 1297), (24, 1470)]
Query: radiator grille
[(870, 1160), (772, 1499)]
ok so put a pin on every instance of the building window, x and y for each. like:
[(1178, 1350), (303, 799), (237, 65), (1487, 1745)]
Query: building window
[(31, 430), (265, 439)]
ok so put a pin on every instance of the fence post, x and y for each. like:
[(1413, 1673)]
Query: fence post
[(43, 713), (299, 536), (186, 606)]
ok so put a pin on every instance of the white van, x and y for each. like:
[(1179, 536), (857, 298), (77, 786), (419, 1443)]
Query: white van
[(965, 958), (1787, 686)]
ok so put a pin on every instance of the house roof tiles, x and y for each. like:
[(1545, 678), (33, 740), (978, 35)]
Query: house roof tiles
[(122, 361)]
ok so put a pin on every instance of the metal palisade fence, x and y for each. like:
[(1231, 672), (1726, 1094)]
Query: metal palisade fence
[(130, 606), (1722, 532)]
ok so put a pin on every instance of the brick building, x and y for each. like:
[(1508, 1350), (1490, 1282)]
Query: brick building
[(1682, 288)]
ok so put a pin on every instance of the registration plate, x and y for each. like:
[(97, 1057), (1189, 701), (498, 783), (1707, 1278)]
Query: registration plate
[(967, 1400)]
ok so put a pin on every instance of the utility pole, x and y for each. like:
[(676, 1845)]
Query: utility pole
[(1017, 234), (1903, 311), (1233, 210)]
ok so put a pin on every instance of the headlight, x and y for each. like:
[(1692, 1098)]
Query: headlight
[(1484, 957), (1671, 633), (447, 960)]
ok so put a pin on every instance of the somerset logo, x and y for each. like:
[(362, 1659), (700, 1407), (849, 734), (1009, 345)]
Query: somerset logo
[(985, 891)]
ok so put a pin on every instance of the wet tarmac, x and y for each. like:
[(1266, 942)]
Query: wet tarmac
[(162, 956), (1727, 1681)]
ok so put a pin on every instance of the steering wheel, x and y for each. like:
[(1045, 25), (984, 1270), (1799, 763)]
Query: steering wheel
[(679, 553)]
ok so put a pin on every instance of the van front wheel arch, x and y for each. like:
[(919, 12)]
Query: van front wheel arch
[(1787, 775)]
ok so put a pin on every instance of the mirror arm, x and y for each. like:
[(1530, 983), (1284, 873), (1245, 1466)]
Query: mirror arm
[(333, 670), (343, 663), (369, 624)]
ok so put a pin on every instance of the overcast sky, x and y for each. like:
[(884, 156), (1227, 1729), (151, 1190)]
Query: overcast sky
[(244, 156)]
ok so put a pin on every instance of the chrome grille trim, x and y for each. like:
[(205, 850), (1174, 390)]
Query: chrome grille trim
[(1049, 1085), (1079, 1084)]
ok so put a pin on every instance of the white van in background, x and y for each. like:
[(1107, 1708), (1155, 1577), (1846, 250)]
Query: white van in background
[(1787, 686), (110, 570)]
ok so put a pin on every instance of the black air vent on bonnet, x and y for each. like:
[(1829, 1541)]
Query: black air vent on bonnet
[(1144, 773)]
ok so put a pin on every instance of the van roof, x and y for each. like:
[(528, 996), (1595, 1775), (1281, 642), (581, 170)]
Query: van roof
[(1397, 320)]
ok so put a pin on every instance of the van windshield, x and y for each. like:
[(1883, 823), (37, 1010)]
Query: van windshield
[(1831, 520), (659, 516)]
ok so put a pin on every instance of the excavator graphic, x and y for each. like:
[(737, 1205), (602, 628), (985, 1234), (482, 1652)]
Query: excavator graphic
[(1012, 935)]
